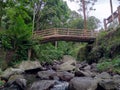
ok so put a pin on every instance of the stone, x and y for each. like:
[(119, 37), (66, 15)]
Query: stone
[(11, 71), (17, 80), (103, 75), (42, 85), (80, 73), (60, 86), (13, 78), (116, 79), (46, 74), (28, 65), (65, 76), (68, 64), (68, 58), (88, 67), (108, 84), (83, 83)]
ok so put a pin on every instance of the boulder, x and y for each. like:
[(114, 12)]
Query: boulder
[(60, 86), (103, 75), (68, 64), (16, 82), (83, 83), (65, 76), (11, 71), (13, 78), (80, 73), (46, 74), (116, 79), (107, 84), (42, 85), (88, 67), (28, 65)]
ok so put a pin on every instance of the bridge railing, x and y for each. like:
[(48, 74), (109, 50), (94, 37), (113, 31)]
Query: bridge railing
[(65, 32), (111, 18)]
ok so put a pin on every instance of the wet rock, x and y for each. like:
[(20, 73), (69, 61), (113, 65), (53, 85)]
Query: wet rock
[(65, 76), (11, 71), (50, 74), (12, 87), (83, 83), (60, 86), (42, 85)]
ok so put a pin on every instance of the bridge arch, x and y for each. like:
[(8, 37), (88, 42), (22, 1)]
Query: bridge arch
[(65, 34)]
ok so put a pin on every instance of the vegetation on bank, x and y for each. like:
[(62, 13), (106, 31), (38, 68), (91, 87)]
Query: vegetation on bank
[(106, 51)]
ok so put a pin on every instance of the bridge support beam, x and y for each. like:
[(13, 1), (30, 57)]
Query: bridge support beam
[(105, 24)]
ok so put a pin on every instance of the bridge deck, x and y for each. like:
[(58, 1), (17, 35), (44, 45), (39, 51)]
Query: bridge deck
[(65, 34)]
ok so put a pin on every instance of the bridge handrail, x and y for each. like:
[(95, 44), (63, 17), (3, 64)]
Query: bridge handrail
[(65, 31)]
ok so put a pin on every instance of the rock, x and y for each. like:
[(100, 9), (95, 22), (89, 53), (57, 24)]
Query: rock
[(78, 65), (116, 79), (108, 84), (16, 82), (68, 64), (94, 67), (13, 78), (103, 75), (68, 58), (46, 74), (83, 83), (42, 85), (80, 73), (28, 65), (11, 71), (60, 86), (88, 67), (65, 76)]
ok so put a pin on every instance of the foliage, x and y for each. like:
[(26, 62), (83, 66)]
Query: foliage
[(51, 13), (110, 65), (77, 21), (93, 23), (47, 52), (2, 83)]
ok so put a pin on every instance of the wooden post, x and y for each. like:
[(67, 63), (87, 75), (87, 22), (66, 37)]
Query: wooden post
[(105, 24), (111, 6), (29, 54), (119, 14)]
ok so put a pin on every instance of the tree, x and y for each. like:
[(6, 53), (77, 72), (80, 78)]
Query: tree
[(16, 39), (93, 23), (77, 21), (50, 14)]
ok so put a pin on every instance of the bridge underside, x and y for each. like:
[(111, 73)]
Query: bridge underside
[(53, 38)]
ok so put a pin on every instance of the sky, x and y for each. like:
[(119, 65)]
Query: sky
[(102, 8)]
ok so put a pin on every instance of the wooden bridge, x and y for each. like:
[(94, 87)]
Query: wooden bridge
[(111, 18), (65, 34)]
